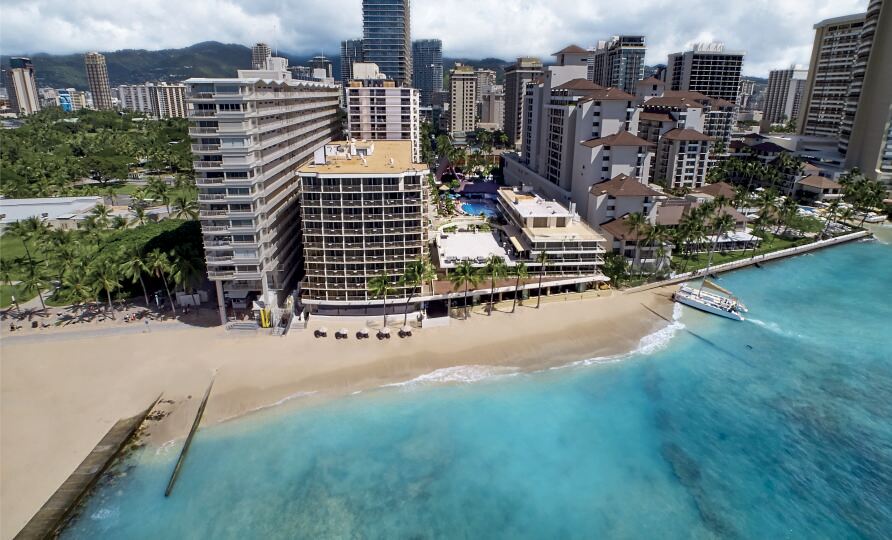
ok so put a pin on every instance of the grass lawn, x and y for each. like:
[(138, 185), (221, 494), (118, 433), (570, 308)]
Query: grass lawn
[(700, 260), (6, 293), (11, 248)]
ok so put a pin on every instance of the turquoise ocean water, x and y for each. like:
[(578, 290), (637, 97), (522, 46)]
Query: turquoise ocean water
[(777, 427)]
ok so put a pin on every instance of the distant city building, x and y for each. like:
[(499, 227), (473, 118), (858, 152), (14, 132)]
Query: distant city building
[(517, 76), (386, 38), (21, 85), (161, 100), (870, 145), (351, 52), (486, 78), (302, 73), (830, 75), (745, 94), (462, 99), (377, 109), (364, 207), (97, 79), (259, 53), (783, 97), (708, 69), (618, 62), (427, 68), (492, 109), (70, 100), (323, 63), (246, 152)]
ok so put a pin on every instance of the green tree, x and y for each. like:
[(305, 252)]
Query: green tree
[(106, 276), (542, 259), (133, 266), (159, 266), (186, 206), (496, 269), (417, 273), (100, 214), (380, 286), (616, 268), (6, 275), (159, 190), (520, 273), (34, 282), (139, 215), (464, 275), (638, 225)]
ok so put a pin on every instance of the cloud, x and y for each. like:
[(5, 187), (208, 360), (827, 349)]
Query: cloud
[(773, 33)]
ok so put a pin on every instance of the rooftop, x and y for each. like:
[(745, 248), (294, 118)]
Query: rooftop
[(716, 189), (363, 157), (13, 210), (819, 182), (624, 186), (607, 94), (579, 84), (685, 134), (531, 205), (571, 49), (623, 138)]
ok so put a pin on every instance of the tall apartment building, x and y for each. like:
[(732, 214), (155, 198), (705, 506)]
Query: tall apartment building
[(870, 146), (351, 52), (259, 53), (708, 69), (69, 99), (830, 75), (386, 38), (97, 79), (577, 134), (486, 79), (745, 94), (859, 71), (618, 62), (363, 213), (783, 97), (249, 136), (321, 62), (492, 109), (21, 85), (462, 99), (161, 100), (377, 109), (517, 76), (427, 68)]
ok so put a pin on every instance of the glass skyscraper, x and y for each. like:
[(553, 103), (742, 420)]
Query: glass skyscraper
[(386, 38), (427, 68)]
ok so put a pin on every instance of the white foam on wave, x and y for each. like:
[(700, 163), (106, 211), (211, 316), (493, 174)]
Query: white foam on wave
[(103, 514), (458, 374), (772, 326), (647, 345), (285, 399)]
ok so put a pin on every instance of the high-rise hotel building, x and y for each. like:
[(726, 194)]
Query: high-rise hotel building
[(364, 207), (783, 97), (97, 79), (386, 38), (427, 68), (21, 86), (708, 69), (618, 62), (249, 136), (517, 76), (377, 109), (463, 94)]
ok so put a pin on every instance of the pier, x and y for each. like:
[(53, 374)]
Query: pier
[(48, 521), (185, 450)]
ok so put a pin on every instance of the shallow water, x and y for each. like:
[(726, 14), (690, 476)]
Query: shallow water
[(776, 427)]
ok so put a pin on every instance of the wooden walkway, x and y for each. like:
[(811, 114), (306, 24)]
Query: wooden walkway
[(52, 515)]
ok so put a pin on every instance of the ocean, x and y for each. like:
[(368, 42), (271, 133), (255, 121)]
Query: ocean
[(776, 427)]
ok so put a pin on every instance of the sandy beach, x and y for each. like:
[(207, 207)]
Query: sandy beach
[(60, 393)]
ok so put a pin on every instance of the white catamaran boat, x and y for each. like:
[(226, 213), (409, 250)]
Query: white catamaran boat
[(720, 302)]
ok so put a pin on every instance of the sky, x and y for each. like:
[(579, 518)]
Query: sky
[(773, 33)]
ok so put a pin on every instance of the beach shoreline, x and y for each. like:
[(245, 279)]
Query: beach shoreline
[(60, 396)]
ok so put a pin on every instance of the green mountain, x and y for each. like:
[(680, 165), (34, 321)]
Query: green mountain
[(129, 66), (207, 59)]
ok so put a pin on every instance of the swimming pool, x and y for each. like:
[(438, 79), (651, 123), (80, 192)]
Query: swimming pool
[(475, 209)]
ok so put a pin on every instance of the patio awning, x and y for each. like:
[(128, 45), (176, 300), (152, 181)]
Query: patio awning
[(516, 243)]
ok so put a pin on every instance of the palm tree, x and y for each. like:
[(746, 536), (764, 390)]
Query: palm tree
[(496, 269), (656, 236), (541, 258), (6, 275), (417, 273), (637, 223), (27, 229), (159, 189), (186, 206), (119, 222), (186, 268), (616, 268), (464, 274), (788, 210), (720, 225), (520, 273), (101, 214), (134, 266), (159, 266), (78, 289), (106, 275), (139, 215), (832, 209), (34, 281), (379, 287)]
